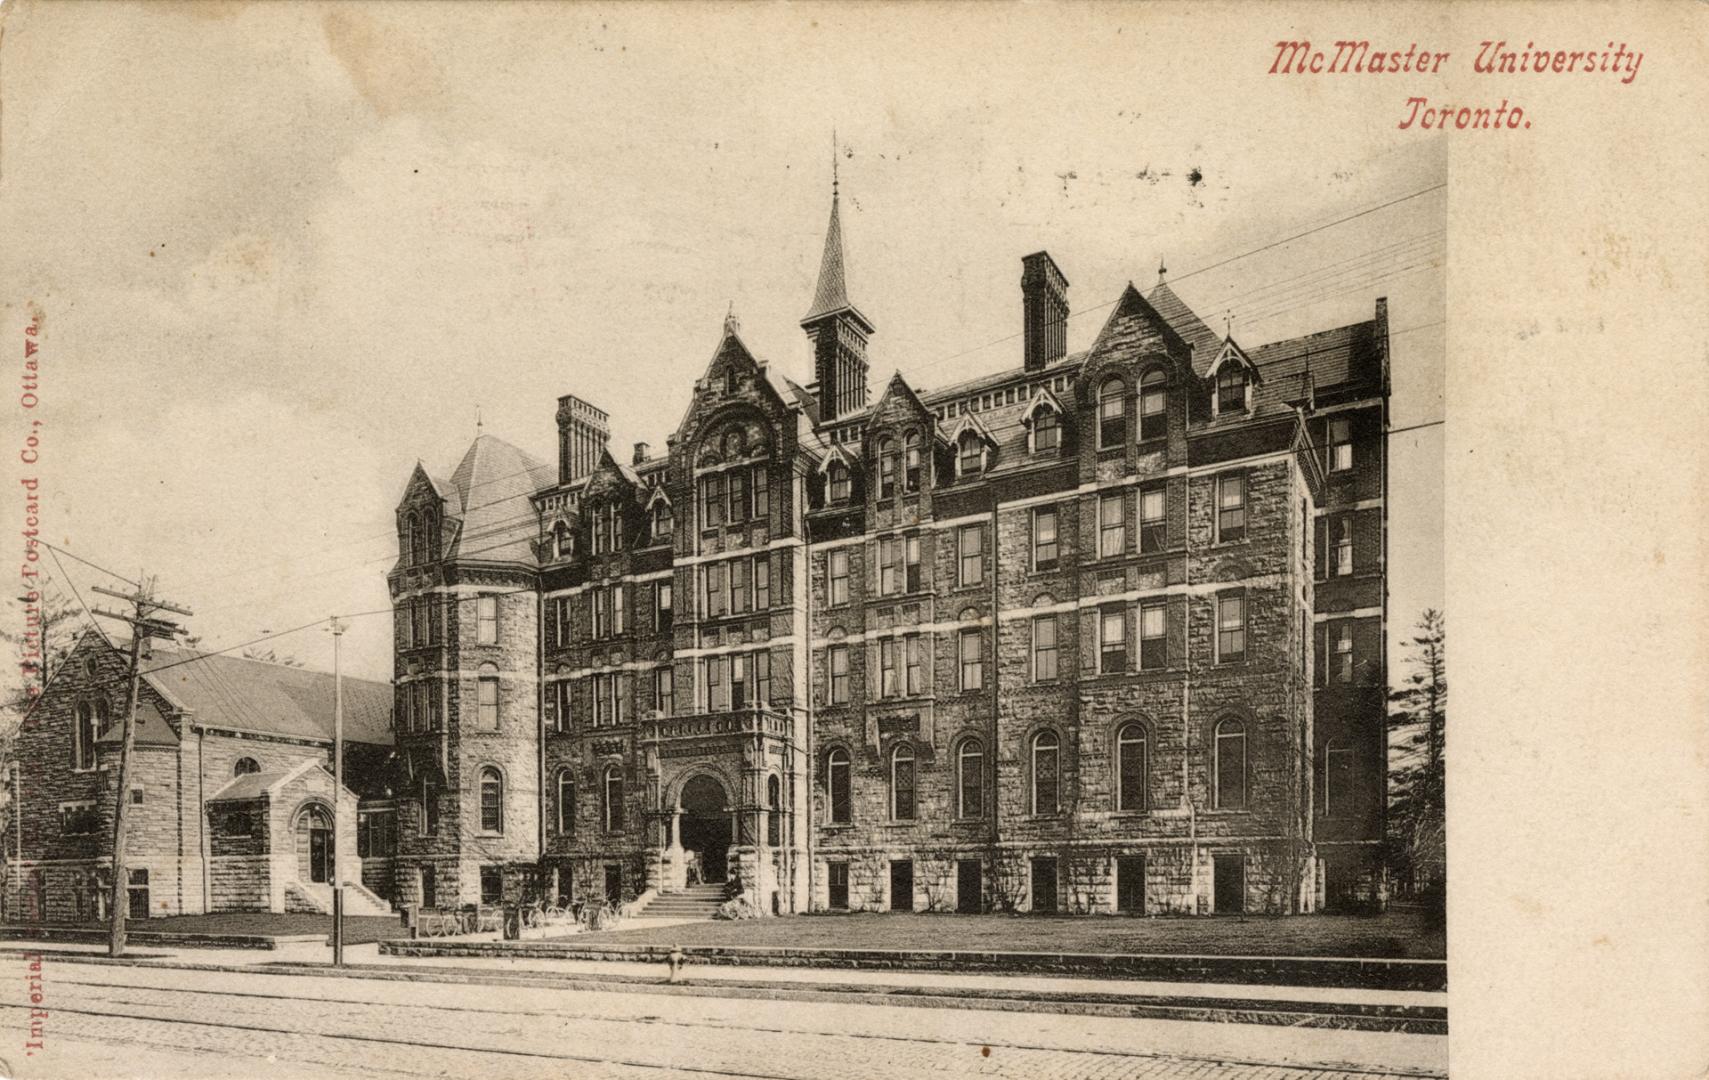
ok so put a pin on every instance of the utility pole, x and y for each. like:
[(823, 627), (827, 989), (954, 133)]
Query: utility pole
[(337, 626), (143, 623)]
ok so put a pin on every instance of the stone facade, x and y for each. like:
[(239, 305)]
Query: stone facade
[(1060, 638)]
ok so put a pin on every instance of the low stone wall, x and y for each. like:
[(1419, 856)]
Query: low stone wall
[(155, 937), (1427, 975)]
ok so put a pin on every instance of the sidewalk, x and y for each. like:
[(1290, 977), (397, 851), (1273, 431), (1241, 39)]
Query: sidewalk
[(1330, 1006)]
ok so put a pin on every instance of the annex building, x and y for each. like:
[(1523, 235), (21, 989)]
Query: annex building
[(232, 798), (1096, 632)]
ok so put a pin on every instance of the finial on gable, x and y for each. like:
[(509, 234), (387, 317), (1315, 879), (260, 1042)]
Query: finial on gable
[(1162, 270), (732, 324)]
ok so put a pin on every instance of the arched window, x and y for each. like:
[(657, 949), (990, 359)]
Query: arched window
[(429, 535), (970, 779), (566, 803), (1231, 389), (613, 798), (911, 461), (492, 800), (412, 538), (1153, 405), (103, 717), (1230, 764), (1112, 414), (886, 468), (902, 783), (1338, 765), (563, 543), (969, 455), (1132, 767), (774, 811), (83, 753), (1047, 772), (837, 779), (662, 521), (1046, 431), (838, 486), (245, 766)]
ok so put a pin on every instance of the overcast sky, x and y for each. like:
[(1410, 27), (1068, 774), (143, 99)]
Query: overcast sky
[(281, 252)]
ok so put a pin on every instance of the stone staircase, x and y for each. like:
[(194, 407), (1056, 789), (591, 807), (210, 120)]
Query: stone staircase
[(697, 902), (315, 897)]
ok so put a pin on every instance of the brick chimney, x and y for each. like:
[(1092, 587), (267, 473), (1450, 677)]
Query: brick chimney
[(1044, 310), (640, 453), (582, 434)]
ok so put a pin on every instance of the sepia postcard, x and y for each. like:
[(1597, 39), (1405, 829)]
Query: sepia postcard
[(839, 540)]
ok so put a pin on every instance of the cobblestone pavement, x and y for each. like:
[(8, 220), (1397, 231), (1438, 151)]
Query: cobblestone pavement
[(110, 1021)]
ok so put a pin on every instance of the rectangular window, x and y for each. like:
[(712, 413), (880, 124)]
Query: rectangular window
[(972, 661), (837, 571), (1044, 538), (1340, 445), (78, 819), (486, 711), (762, 582), (712, 501), (837, 880), (760, 663), (1230, 507), (912, 662), (717, 601), (561, 610), (1231, 626), (1112, 526), (1044, 648), (738, 496), (717, 689), (971, 545), (762, 493), (1112, 641), (566, 804), (486, 620), (429, 809), (911, 564), (889, 565), (604, 701), (619, 609), (839, 661), (562, 691), (662, 607), (601, 603), (664, 690), (1341, 548), (1342, 665), (738, 682), (887, 667), (741, 600), (1153, 647), (492, 884), (1153, 531)]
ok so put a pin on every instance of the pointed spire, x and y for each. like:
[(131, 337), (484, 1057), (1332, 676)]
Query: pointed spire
[(832, 292)]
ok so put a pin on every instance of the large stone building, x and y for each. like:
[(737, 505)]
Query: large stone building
[(232, 794), (1095, 632)]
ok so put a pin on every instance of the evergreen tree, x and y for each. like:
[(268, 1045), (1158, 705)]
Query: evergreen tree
[(1418, 716)]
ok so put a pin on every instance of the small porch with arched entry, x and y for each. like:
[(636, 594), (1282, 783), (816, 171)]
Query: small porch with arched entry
[(703, 832)]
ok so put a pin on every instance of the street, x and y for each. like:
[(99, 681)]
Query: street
[(112, 1021)]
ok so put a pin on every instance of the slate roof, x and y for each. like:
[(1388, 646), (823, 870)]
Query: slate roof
[(489, 493), (151, 729), (831, 295), (249, 786), (252, 695), (1184, 321)]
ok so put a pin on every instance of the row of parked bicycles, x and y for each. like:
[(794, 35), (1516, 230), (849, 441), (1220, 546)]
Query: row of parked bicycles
[(535, 915)]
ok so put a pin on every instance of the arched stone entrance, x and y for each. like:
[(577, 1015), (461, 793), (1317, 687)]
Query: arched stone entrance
[(314, 843), (706, 826)]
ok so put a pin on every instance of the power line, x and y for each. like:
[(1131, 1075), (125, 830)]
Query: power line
[(86, 562)]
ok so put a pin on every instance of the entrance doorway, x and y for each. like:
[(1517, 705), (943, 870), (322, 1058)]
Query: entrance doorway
[(1130, 884), (314, 845), (902, 885), (1230, 873), (1044, 884), (705, 829), (969, 888)]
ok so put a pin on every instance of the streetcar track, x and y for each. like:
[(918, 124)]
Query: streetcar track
[(740, 1027)]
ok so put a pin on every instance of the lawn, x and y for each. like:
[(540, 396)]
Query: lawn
[(1400, 933), (358, 929)]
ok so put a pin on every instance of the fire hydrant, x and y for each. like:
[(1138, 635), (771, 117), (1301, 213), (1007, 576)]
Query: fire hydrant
[(675, 960)]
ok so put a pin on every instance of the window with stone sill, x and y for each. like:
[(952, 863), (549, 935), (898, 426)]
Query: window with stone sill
[(837, 572), (1153, 406), (1112, 415), (839, 487), (1231, 389), (1046, 773), (837, 778), (911, 462), (1046, 431)]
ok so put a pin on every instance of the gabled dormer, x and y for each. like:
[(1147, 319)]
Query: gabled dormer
[(1231, 376), (840, 473), (608, 506), (972, 445), (900, 432), (421, 515), (1044, 419)]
